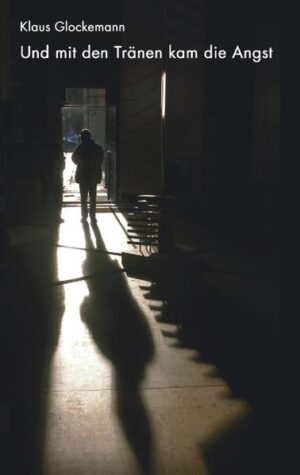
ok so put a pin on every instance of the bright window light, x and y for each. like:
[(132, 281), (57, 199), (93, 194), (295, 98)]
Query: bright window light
[(163, 94)]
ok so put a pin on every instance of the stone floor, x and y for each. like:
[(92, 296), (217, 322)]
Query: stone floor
[(115, 390)]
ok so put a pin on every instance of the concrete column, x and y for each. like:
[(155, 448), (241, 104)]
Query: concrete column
[(140, 108)]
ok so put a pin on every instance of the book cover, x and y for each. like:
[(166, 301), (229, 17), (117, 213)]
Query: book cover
[(139, 197)]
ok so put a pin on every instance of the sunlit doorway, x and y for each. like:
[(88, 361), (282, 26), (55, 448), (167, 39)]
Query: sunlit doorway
[(86, 108)]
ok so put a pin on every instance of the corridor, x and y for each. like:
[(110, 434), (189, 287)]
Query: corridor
[(117, 395)]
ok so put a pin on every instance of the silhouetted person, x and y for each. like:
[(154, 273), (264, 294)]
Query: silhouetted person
[(88, 157)]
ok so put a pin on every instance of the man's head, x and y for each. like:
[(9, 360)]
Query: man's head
[(85, 135)]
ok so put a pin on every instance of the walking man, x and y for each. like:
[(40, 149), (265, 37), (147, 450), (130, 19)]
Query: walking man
[(88, 157)]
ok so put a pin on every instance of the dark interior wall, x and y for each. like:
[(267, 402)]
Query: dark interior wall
[(222, 117), (34, 122), (144, 146), (242, 110), (140, 106), (4, 51), (184, 26), (266, 110), (228, 107), (5, 92)]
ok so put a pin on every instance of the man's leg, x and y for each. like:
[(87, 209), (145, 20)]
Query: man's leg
[(83, 195), (93, 195)]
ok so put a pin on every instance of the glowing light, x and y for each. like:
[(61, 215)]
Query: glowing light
[(163, 94)]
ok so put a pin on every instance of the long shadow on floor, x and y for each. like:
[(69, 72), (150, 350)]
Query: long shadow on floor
[(122, 334)]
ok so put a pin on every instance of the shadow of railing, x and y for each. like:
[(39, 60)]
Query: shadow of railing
[(240, 340)]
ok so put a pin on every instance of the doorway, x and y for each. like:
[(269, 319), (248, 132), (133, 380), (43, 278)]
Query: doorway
[(86, 108)]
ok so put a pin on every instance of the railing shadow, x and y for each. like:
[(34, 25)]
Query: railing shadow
[(242, 343)]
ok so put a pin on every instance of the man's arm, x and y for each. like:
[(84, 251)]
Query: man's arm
[(75, 156)]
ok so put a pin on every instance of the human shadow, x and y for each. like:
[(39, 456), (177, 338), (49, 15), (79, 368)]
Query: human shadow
[(122, 334)]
